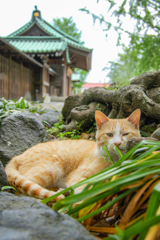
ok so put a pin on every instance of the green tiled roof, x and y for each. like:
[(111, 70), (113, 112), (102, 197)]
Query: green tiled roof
[(22, 29), (37, 44), (57, 33), (50, 30), (54, 41)]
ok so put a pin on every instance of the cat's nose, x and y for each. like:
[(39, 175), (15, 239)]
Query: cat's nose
[(117, 144)]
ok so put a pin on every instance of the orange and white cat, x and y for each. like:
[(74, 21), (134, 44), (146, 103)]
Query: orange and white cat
[(40, 169)]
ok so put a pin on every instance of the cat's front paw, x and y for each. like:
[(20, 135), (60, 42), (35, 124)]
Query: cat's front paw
[(58, 198), (67, 193), (52, 202)]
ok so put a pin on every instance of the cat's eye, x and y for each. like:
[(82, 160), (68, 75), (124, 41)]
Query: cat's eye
[(109, 134), (125, 134)]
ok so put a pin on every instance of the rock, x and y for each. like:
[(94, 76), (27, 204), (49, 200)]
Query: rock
[(156, 134), (3, 177), (147, 80), (154, 94), (19, 132), (70, 103), (135, 140), (83, 117), (142, 93), (27, 219), (50, 116)]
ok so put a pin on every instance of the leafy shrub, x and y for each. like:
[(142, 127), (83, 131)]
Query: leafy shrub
[(8, 107)]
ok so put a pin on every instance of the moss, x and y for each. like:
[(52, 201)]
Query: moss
[(149, 128)]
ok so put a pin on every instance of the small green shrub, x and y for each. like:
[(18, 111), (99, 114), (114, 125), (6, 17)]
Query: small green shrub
[(58, 131), (8, 107)]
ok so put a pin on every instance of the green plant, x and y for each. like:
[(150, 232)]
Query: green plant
[(7, 188), (98, 107), (74, 135), (58, 131), (119, 194), (8, 107), (55, 131), (68, 26), (142, 52)]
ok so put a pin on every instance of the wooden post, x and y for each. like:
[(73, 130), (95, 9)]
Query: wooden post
[(9, 76), (21, 79), (45, 80), (69, 73), (64, 82)]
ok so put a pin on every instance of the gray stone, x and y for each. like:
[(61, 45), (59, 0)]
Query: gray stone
[(156, 134), (135, 140), (154, 94), (3, 177), (50, 116), (19, 132), (27, 219)]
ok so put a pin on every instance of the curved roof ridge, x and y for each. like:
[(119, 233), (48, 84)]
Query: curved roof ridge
[(33, 38), (21, 29), (52, 31), (63, 33)]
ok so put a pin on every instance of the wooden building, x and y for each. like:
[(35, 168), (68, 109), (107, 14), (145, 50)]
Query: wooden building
[(18, 72), (43, 58)]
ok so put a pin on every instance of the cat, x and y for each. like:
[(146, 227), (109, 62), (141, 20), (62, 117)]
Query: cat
[(40, 169)]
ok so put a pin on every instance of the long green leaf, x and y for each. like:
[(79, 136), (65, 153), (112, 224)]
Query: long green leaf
[(121, 182), (140, 227), (152, 207), (107, 205)]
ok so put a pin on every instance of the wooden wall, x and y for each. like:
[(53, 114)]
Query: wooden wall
[(15, 79)]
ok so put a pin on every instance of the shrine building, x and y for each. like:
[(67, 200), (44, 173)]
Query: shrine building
[(39, 59)]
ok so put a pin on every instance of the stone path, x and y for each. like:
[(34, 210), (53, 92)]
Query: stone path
[(57, 105)]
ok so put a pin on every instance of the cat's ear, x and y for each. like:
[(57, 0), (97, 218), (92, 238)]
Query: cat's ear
[(135, 117), (100, 118)]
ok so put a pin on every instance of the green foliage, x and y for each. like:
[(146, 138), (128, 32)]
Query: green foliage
[(68, 26), (142, 54), (75, 134), (83, 75), (4, 188), (145, 52), (127, 176), (98, 107), (137, 58), (126, 67), (8, 107), (142, 227), (54, 131), (122, 71), (58, 131), (145, 15)]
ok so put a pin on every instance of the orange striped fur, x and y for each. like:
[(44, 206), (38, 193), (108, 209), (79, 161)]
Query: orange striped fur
[(40, 169)]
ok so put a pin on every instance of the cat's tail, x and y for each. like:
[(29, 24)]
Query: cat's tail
[(24, 185)]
